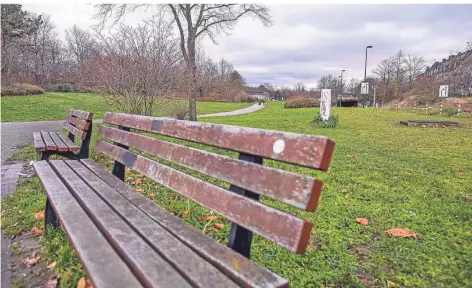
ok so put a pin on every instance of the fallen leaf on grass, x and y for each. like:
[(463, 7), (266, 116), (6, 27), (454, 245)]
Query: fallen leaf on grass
[(362, 221), (39, 215), (127, 169), (31, 261), (89, 283), (216, 227), (186, 213), (401, 232), (140, 190), (467, 197), (141, 175), (151, 195), (101, 156), (52, 265), (81, 283), (354, 156), (136, 182), (207, 218), (37, 230)]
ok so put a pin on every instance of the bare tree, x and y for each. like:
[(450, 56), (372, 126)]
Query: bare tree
[(353, 86), (137, 68), (299, 87), (194, 21), (469, 44), (414, 66), (385, 73)]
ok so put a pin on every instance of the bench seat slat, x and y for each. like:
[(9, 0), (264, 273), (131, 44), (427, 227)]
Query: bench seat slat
[(141, 258), (50, 145), (243, 271), (39, 144), (77, 132), (296, 190), (82, 124), (71, 145), (277, 226), (61, 146), (93, 249), (306, 150), (197, 270), (81, 114)]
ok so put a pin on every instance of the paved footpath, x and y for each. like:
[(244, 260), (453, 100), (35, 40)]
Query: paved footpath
[(10, 175), (16, 134)]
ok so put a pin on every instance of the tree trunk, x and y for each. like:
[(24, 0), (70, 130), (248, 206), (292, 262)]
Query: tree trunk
[(192, 80)]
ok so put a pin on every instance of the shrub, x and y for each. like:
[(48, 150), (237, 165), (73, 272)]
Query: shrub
[(300, 102), (63, 88), (450, 111), (21, 89), (332, 121)]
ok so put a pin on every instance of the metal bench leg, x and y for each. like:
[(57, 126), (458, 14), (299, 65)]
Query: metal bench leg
[(45, 155), (239, 237), (84, 148), (50, 217), (118, 168)]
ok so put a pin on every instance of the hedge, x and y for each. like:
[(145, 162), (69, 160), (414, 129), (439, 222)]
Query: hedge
[(21, 89), (302, 103)]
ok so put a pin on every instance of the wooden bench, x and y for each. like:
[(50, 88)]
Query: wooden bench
[(78, 123), (125, 240)]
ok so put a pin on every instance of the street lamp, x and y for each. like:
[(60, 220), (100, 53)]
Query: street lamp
[(339, 100), (365, 72)]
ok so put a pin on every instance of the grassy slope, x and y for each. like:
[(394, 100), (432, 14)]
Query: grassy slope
[(53, 106), (394, 176)]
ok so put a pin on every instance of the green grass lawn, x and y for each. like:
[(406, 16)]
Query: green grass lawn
[(395, 176), (53, 106)]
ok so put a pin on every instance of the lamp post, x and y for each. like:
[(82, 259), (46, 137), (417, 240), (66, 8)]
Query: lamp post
[(365, 72), (339, 100)]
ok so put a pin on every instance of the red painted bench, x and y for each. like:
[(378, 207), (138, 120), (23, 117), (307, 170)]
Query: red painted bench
[(125, 240), (78, 123)]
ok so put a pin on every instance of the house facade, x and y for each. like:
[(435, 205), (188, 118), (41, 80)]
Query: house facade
[(260, 93)]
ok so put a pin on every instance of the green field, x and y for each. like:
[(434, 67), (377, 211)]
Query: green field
[(53, 106), (395, 176)]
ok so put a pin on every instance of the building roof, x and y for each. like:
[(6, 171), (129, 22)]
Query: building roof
[(257, 90)]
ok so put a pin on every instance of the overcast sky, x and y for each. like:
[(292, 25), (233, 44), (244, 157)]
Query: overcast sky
[(310, 41)]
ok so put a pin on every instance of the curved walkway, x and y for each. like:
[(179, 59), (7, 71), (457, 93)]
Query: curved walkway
[(16, 134)]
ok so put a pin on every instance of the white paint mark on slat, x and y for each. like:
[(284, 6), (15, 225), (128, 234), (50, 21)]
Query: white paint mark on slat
[(279, 146)]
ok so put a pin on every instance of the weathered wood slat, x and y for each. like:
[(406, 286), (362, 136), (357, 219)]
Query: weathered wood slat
[(50, 145), (305, 150), (103, 265), (81, 124), (70, 144), (300, 191), (74, 130), (280, 227), (243, 271), (39, 144), (148, 266), (61, 146), (195, 268), (81, 114)]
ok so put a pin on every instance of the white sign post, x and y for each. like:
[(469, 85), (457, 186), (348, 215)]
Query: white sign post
[(325, 104), (365, 88), (443, 90)]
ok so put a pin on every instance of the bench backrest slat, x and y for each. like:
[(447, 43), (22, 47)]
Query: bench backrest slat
[(78, 122), (280, 227), (299, 191), (305, 150), (81, 114)]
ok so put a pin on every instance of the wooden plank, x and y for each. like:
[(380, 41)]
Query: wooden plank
[(50, 145), (81, 124), (81, 114), (249, 273), (306, 150), (196, 269), (150, 268), (39, 144), (282, 228), (103, 265), (296, 190), (74, 130), (71, 145), (61, 146)]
